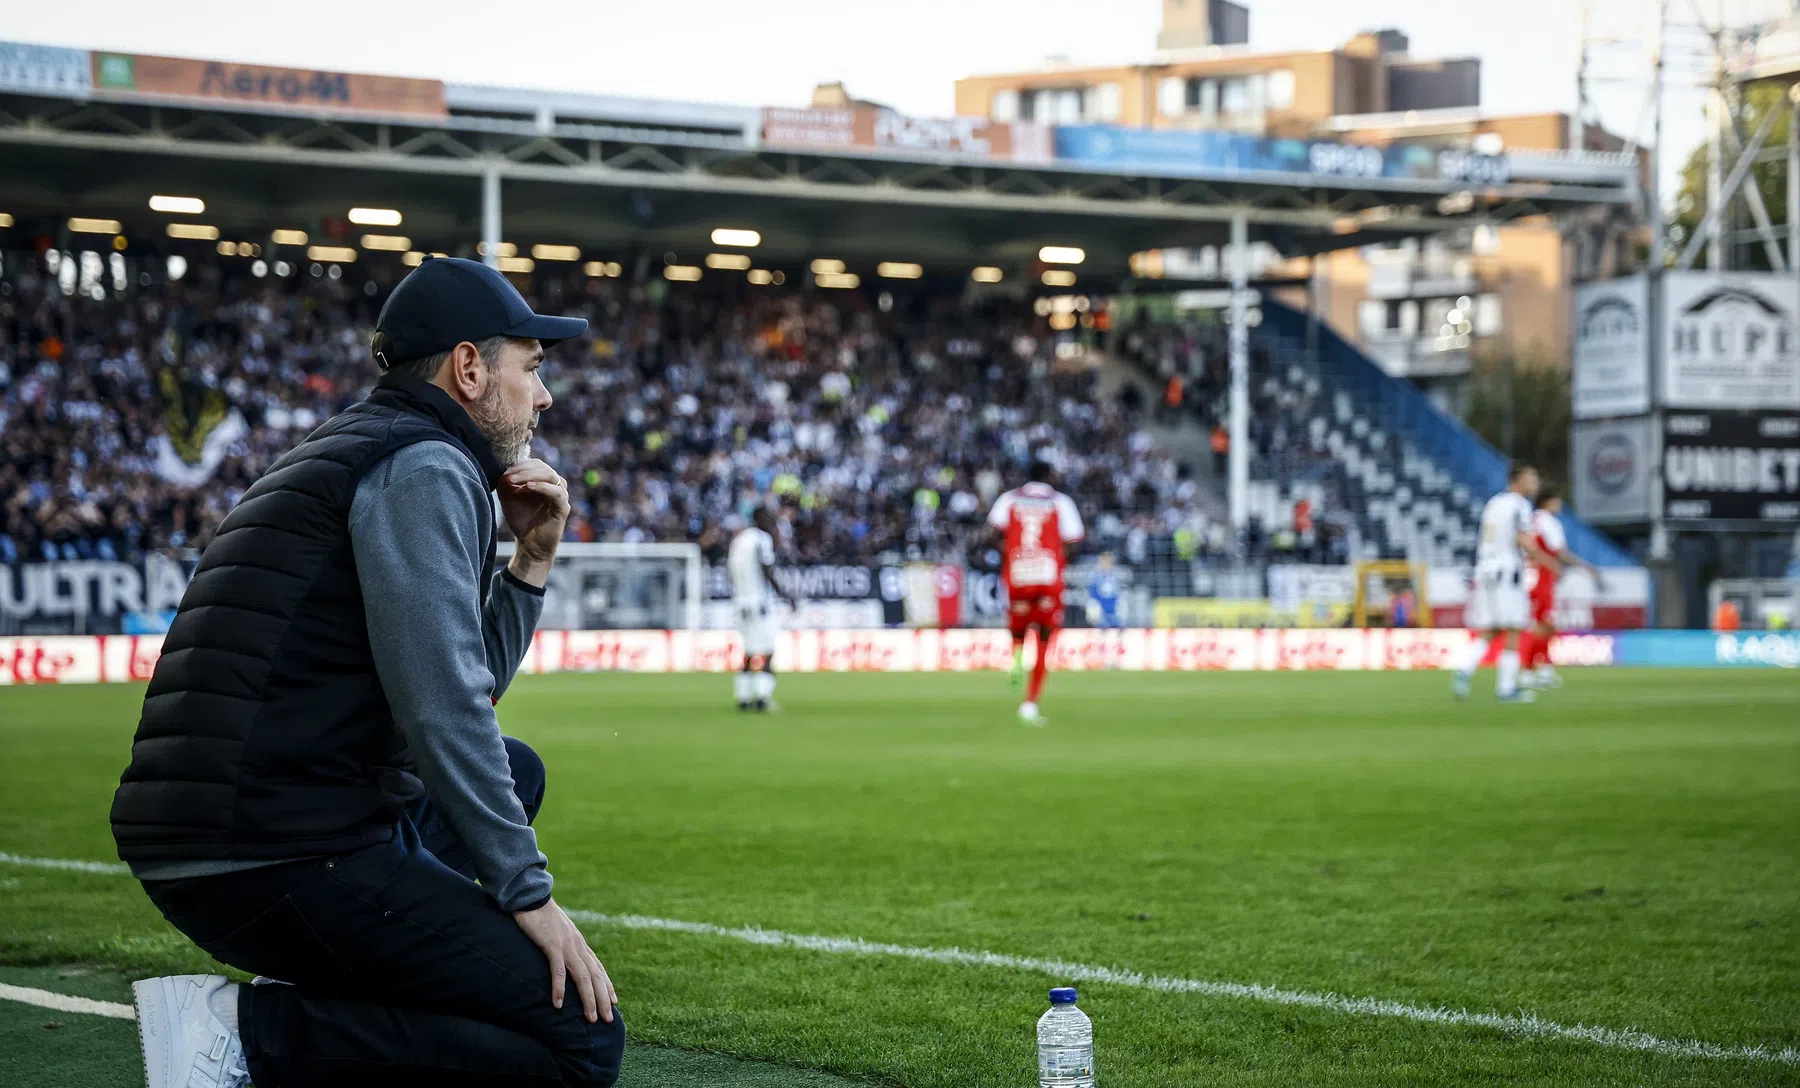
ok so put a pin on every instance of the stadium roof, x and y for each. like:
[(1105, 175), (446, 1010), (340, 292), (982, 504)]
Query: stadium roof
[(97, 134)]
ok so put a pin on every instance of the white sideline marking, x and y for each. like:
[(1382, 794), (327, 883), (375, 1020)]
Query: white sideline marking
[(1527, 1025), (111, 867), (47, 999)]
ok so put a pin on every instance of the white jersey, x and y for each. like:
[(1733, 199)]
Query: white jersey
[(751, 551), (1505, 516), (1549, 530)]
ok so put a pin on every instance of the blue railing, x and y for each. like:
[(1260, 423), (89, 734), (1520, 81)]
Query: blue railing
[(1402, 409)]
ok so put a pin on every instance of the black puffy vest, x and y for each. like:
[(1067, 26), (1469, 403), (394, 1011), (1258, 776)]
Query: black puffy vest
[(265, 732)]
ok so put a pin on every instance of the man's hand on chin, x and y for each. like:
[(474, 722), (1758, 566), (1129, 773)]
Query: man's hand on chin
[(535, 502)]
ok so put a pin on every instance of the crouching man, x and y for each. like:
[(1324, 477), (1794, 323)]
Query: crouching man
[(319, 792)]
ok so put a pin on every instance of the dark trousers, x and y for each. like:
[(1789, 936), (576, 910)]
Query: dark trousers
[(403, 970)]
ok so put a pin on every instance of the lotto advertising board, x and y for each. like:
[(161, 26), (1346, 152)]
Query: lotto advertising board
[(87, 659)]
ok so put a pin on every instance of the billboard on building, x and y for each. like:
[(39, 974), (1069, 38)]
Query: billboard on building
[(1730, 340), (1176, 152), (1610, 462), (1732, 466), (1612, 349), (873, 128), (163, 79), (45, 69)]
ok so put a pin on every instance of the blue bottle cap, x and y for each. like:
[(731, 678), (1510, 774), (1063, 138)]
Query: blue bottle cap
[(1062, 995)]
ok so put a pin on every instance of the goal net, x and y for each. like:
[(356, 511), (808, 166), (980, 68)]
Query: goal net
[(621, 586)]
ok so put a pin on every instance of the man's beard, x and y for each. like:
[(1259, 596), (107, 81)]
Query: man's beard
[(511, 441)]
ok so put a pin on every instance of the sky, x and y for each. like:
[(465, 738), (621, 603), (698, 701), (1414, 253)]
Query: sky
[(905, 53)]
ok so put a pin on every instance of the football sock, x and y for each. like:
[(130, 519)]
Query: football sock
[(1038, 670), (1472, 655), (1508, 681), (740, 687)]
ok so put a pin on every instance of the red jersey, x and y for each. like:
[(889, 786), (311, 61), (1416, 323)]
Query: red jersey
[(1038, 521)]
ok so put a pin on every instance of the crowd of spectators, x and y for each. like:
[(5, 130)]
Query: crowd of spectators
[(88, 389), (885, 426)]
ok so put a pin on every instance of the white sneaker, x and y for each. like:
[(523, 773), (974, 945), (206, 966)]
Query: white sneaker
[(185, 1043), (1547, 679), (1028, 714)]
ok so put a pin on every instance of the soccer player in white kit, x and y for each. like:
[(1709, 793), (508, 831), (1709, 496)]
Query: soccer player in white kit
[(1498, 608), (751, 562)]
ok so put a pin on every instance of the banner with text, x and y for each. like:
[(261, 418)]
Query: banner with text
[(869, 127), (129, 75), (1730, 340), (1176, 152), (132, 658), (45, 70), (1732, 466), (1618, 601), (90, 596), (1612, 349)]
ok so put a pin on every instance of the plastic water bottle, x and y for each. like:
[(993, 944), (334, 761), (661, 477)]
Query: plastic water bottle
[(1065, 1043)]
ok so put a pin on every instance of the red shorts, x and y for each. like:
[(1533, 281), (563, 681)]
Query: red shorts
[(1035, 609), (1543, 603)]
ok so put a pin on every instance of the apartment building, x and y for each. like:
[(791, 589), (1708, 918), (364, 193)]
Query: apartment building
[(1426, 311)]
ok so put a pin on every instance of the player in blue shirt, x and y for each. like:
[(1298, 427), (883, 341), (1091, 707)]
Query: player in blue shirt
[(1103, 591)]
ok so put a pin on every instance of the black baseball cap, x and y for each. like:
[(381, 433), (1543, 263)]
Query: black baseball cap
[(447, 300)]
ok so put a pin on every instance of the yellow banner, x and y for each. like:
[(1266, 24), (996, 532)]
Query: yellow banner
[(1217, 612)]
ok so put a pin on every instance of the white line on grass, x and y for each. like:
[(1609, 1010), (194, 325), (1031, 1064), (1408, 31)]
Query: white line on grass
[(46, 999), (1525, 1024), (110, 867)]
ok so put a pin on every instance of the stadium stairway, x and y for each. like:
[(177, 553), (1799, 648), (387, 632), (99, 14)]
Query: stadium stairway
[(1185, 439), (1165, 573), (1366, 442)]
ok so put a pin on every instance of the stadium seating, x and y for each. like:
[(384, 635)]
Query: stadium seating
[(888, 430), (1419, 475), (1387, 474)]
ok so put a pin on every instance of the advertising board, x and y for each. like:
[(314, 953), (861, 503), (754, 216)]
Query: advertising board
[(143, 76)]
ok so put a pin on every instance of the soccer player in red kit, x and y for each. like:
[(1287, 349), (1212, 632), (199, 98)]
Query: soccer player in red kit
[(1553, 558), (1036, 522)]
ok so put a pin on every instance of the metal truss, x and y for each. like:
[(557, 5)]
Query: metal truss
[(677, 159)]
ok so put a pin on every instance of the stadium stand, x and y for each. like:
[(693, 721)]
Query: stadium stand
[(1420, 476), (1383, 473), (888, 432)]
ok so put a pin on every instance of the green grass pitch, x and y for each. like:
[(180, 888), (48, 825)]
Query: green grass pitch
[(1625, 854)]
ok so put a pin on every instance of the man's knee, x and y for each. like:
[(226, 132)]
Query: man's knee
[(598, 1060), (528, 775)]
